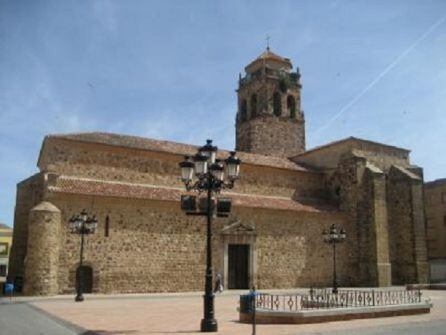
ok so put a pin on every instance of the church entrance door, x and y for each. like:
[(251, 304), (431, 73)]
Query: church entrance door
[(238, 266), (85, 274)]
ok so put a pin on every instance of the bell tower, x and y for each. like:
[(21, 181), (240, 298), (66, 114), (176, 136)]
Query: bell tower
[(269, 118)]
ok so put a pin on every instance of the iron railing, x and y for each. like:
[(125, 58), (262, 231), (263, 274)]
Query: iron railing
[(324, 298)]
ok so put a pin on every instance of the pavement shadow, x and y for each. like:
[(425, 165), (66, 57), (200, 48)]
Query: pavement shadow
[(109, 332), (174, 332), (124, 332)]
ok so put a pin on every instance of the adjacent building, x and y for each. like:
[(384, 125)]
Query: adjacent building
[(286, 197), (5, 248), (435, 199)]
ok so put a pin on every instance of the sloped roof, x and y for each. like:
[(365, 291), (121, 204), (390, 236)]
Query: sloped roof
[(151, 144), (45, 206), (435, 183), (351, 139), (85, 186), (269, 55), (4, 226), (406, 172)]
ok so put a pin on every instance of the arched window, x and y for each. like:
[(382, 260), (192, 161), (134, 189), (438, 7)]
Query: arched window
[(254, 105), (277, 104), (244, 110), (291, 106)]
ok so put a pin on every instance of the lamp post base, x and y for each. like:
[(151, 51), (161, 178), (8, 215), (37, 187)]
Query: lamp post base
[(209, 325), (79, 297)]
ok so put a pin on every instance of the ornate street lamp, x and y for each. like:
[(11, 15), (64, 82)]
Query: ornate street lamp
[(333, 237), (210, 176), (82, 224)]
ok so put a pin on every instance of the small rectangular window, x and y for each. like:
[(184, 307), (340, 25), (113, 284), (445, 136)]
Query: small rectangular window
[(4, 246), (2, 270)]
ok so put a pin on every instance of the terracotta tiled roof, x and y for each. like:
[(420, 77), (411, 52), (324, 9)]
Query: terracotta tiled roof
[(269, 55), (150, 144), (72, 185), (435, 183)]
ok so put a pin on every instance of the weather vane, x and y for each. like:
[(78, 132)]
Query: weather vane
[(267, 42)]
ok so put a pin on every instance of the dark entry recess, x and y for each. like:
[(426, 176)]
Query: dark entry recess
[(85, 274), (238, 266)]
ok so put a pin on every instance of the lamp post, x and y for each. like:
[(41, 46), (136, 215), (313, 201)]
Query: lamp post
[(82, 224), (333, 236), (211, 176)]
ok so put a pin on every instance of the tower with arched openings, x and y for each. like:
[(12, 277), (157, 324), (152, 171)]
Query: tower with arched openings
[(270, 120)]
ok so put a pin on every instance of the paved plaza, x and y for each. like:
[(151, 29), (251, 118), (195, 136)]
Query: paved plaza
[(181, 314)]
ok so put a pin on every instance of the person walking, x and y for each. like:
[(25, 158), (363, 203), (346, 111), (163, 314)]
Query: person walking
[(218, 284), (9, 289)]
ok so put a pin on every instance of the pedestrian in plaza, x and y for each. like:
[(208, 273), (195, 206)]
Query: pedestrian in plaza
[(9, 289), (218, 284)]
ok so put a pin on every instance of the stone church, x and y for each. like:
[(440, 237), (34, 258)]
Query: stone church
[(285, 198)]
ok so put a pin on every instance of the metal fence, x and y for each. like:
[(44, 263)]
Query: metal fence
[(324, 298)]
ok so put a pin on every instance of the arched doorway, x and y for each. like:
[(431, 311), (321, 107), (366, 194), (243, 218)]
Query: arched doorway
[(84, 276)]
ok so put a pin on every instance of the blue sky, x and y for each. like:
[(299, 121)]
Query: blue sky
[(168, 70)]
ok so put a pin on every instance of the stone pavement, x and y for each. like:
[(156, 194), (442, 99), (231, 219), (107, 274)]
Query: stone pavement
[(181, 314), (22, 318)]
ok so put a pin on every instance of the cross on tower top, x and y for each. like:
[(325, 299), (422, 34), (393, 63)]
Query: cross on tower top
[(267, 41)]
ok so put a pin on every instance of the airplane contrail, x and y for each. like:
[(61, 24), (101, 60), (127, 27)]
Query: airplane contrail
[(384, 72)]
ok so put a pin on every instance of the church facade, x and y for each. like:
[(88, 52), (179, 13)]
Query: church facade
[(285, 198)]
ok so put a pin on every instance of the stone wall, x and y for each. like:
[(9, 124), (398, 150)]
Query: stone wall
[(154, 247), (113, 163), (408, 252), (373, 230), (151, 247), (419, 230), (359, 187), (435, 203), (269, 135), (29, 194), (291, 252)]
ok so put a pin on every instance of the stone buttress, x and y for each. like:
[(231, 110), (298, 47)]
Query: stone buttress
[(42, 258)]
